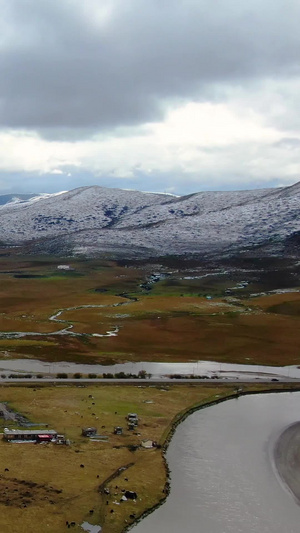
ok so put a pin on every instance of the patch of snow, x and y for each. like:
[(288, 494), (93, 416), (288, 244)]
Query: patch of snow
[(63, 267)]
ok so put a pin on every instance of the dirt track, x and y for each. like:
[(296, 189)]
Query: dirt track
[(9, 414), (287, 458)]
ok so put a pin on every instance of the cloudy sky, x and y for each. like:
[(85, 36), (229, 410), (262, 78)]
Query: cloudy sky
[(157, 95)]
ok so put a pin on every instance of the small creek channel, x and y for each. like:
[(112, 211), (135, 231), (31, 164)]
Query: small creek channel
[(67, 330), (223, 478)]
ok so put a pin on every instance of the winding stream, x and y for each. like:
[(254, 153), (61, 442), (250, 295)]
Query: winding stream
[(67, 330)]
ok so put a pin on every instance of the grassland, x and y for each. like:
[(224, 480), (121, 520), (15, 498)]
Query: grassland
[(169, 320), (44, 486), (178, 315)]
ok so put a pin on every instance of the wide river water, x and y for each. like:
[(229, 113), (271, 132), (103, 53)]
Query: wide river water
[(222, 475), (157, 370)]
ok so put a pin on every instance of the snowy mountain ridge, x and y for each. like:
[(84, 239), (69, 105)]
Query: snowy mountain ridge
[(93, 220)]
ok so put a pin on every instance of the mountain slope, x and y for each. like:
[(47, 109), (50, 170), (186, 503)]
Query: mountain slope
[(91, 220)]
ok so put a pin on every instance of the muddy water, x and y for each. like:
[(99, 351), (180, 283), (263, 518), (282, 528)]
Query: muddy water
[(223, 479)]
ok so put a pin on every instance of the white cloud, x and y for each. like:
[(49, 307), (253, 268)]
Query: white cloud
[(56, 171), (217, 142), (27, 152), (212, 124)]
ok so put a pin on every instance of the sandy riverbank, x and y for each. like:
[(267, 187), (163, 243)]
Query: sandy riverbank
[(287, 458)]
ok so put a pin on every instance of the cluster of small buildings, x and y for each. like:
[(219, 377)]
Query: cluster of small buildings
[(50, 435), (132, 420)]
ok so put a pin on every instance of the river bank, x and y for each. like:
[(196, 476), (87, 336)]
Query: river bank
[(287, 459)]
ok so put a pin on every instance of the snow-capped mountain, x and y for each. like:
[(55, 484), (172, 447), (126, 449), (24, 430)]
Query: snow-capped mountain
[(91, 220)]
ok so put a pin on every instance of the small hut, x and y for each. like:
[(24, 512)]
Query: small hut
[(132, 419), (147, 443), (89, 432)]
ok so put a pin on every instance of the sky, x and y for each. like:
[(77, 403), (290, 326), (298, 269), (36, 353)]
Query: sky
[(173, 96)]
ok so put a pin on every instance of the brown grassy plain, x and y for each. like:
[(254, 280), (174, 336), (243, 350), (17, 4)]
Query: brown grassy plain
[(160, 326)]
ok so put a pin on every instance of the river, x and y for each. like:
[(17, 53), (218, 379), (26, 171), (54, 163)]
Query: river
[(223, 479), (157, 370)]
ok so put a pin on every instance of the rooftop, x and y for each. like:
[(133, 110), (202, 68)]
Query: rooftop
[(29, 431)]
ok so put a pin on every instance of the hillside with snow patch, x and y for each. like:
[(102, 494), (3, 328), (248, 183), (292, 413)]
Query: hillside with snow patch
[(96, 220)]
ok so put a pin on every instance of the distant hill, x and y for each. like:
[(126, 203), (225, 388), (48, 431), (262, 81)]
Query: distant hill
[(96, 220), (14, 198)]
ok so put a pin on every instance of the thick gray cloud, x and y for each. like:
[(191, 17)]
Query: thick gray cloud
[(66, 67)]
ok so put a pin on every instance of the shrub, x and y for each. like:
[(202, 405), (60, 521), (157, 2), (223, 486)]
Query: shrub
[(120, 375), (142, 374)]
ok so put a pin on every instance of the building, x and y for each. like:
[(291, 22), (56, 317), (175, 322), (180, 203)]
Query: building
[(147, 443), (29, 435), (132, 419), (89, 432), (132, 416)]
